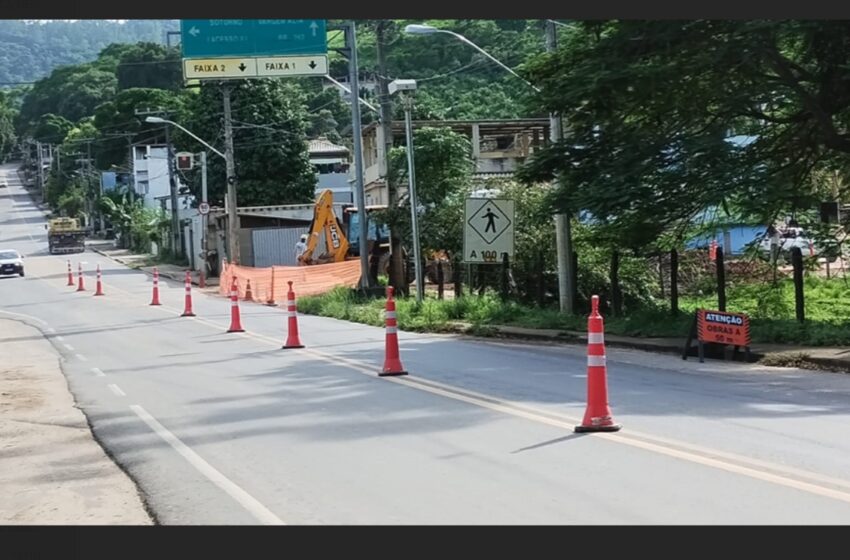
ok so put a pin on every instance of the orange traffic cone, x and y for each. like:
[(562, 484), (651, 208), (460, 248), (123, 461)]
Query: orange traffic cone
[(81, 285), (187, 309), (202, 281), (270, 301), (292, 340), (248, 295), (712, 250), (70, 275), (99, 291), (155, 300), (392, 363), (235, 319), (597, 416)]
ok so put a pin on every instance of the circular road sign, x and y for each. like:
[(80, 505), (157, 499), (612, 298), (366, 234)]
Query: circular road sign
[(204, 208)]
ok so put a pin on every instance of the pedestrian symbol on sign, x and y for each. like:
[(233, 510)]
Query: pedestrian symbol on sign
[(490, 223)]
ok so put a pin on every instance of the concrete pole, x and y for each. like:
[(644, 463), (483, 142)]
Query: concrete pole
[(563, 235), (204, 217), (232, 215), (351, 43), (175, 221), (414, 214)]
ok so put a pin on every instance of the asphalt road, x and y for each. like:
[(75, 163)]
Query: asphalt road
[(225, 428)]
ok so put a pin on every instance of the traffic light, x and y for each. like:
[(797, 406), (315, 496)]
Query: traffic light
[(185, 161)]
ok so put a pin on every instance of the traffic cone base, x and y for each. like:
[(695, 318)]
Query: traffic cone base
[(602, 428), (392, 372), (597, 415)]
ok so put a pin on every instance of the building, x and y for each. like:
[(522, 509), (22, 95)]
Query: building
[(331, 163), (150, 175), (499, 147)]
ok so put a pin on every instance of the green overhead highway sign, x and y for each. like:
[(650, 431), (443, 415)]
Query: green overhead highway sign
[(234, 38)]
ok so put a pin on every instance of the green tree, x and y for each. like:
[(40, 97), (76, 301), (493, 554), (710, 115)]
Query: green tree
[(270, 143), (71, 92), (8, 138), (52, 129), (443, 167), (118, 125), (667, 118), (149, 65)]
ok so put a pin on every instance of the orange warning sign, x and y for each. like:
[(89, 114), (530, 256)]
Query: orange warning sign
[(721, 327)]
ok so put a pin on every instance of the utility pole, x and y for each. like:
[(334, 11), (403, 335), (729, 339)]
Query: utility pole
[(232, 215), (40, 169), (396, 272), (563, 235), (351, 47), (204, 217), (176, 236), (411, 181), (90, 193)]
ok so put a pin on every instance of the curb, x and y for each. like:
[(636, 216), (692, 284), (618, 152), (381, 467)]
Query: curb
[(163, 274)]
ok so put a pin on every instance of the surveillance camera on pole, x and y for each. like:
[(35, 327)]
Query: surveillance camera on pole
[(402, 85)]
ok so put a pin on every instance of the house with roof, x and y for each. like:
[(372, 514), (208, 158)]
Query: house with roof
[(499, 147), (331, 163)]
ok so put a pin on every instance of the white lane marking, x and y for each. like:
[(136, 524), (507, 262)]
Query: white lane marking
[(51, 330), (117, 390), (97, 372), (82, 358), (258, 510), (60, 338), (69, 347)]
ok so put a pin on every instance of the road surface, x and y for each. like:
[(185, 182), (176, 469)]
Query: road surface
[(226, 428)]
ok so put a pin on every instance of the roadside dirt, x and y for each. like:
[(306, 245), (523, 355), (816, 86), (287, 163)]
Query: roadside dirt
[(52, 471)]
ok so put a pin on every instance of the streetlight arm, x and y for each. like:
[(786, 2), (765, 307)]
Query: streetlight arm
[(488, 55), (193, 136), (348, 90)]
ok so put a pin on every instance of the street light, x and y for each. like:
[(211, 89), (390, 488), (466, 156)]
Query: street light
[(204, 220), (419, 29), (407, 99), (160, 120)]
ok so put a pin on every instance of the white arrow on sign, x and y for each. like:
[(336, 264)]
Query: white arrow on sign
[(194, 31), (314, 27)]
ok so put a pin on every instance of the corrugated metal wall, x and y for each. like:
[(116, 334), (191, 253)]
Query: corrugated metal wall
[(276, 246)]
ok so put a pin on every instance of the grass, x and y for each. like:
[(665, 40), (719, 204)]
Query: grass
[(771, 310)]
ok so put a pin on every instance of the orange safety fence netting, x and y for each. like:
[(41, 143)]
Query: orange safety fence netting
[(271, 284)]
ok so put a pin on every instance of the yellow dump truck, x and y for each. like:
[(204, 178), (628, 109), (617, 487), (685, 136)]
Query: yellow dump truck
[(64, 235)]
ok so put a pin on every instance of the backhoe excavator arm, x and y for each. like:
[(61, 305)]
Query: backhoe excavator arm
[(324, 220)]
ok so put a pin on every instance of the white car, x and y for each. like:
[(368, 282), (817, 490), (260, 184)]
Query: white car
[(11, 262), (788, 239)]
